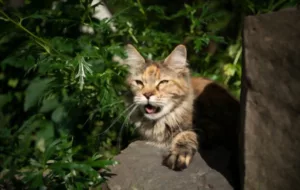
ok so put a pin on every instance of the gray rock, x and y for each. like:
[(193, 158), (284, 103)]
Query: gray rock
[(271, 101), (140, 168)]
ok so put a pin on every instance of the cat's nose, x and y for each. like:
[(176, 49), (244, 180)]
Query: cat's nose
[(148, 94)]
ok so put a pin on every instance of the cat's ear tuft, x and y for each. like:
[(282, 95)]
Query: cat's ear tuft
[(134, 58), (177, 60)]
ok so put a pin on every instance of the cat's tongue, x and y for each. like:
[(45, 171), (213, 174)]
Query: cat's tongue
[(150, 109)]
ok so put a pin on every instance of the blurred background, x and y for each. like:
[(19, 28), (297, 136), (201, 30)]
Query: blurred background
[(62, 118)]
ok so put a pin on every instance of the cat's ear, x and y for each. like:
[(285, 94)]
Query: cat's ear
[(134, 59), (177, 59)]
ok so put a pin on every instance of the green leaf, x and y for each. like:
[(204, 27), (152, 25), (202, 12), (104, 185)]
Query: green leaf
[(13, 82), (62, 44), (19, 62), (50, 150), (34, 178), (59, 114), (237, 83), (233, 49), (201, 42), (49, 105), (34, 92), (37, 16), (35, 163), (157, 9), (100, 163), (229, 69), (4, 99), (45, 134)]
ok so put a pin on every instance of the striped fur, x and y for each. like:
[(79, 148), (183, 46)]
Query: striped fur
[(172, 93)]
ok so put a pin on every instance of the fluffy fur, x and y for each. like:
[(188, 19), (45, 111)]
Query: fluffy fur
[(166, 95)]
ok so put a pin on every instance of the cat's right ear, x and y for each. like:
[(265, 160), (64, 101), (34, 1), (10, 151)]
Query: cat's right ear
[(134, 59)]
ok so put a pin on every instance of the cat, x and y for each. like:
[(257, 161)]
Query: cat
[(176, 110)]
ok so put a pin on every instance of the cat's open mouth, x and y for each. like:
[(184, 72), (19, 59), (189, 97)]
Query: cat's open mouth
[(149, 109)]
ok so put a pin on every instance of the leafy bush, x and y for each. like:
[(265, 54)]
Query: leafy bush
[(60, 90), (62, 117)]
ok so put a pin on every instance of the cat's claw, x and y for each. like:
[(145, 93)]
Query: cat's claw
[(178, 160)]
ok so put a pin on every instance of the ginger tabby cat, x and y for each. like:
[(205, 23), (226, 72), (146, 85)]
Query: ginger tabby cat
[(171, 107)]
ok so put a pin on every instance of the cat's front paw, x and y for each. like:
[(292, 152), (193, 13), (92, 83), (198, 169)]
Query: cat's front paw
[(178, 158)]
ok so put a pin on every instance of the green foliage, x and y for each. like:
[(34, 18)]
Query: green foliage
[(260, 7), (62, 116), (61, 90)]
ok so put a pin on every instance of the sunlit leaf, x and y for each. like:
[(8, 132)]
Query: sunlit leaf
[(229, 69), (13, 82)]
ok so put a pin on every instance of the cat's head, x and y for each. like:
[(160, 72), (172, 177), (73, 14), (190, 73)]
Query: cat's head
[(158, 86)]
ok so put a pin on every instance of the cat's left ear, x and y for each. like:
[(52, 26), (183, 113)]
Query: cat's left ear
[(177, 60)]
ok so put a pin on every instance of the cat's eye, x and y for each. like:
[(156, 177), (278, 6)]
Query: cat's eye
[(163, 82), (138, 82)]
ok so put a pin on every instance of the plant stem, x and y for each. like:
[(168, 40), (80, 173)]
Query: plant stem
[(238, 55), (141, 7), (39, 41)]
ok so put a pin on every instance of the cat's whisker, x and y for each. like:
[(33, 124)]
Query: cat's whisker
[(125, 121), (160, 104), (117, 119)]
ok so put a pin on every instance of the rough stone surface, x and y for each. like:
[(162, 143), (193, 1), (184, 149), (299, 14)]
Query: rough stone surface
[(140, 168), (271, 99)]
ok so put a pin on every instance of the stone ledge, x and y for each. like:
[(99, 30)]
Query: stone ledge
[(140, 168)]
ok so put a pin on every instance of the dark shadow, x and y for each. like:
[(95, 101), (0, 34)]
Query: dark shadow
[(245, 84), (106, 175), (217, 124)]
